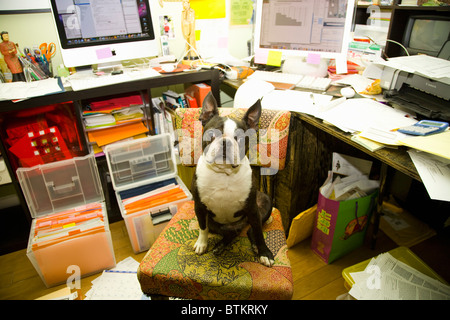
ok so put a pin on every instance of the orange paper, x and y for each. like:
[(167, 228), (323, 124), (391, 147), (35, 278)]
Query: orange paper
[(107, 136)]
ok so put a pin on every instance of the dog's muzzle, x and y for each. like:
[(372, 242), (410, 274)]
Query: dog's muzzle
[(223, 150)]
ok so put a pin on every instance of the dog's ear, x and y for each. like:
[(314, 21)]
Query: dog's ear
[(251, 117), (209, 108)]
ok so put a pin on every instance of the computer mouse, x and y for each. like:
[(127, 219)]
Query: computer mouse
[(348, 92)]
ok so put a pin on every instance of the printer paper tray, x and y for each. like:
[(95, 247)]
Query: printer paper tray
[(420, 102)]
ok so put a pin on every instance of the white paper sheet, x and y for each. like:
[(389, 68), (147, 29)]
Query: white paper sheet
[(119, 283), (434, 172), (25, 90), (386, 278)]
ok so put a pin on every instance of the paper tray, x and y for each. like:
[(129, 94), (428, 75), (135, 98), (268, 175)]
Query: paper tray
[(401, 253)]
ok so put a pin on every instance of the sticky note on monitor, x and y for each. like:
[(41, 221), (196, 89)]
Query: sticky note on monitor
[(104, 53), (261, 56), (274, 58), (313, 58)]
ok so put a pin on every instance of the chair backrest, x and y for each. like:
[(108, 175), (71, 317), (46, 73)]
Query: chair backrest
[(272, 140)]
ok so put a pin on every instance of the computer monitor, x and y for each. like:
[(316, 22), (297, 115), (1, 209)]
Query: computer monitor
[(426, 34), (104, 31), (302, 27)]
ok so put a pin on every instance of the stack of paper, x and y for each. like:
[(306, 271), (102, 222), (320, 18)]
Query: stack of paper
[(114, 120), (99, 120), (386, 278), (64, 225), (119, 283), (348, 179), (25, 90)]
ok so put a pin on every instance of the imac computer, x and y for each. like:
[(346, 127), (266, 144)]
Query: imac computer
[(299, 28), (104, 32)]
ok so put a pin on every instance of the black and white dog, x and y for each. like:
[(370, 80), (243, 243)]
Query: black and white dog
[(225, 198)]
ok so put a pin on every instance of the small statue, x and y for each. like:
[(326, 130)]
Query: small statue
[(188, 29), (9, 51)]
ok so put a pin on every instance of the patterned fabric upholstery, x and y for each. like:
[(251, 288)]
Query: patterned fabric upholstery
[(271, 145), (172, 268)]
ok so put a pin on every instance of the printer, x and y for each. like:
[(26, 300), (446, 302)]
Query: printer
[(428, 98)]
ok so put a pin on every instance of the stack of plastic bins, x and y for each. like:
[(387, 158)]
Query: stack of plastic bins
[(146, 170), (70, 232)]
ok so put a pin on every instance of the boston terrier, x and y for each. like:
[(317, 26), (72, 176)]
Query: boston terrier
[(225, 198)]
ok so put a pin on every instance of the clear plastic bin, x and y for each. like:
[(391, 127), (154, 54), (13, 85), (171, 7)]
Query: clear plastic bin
[(138, 167), (61, 189)]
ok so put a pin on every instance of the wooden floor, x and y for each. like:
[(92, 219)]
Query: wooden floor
[(313, 279)]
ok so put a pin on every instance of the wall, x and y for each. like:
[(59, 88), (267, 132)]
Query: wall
[(31, 29)]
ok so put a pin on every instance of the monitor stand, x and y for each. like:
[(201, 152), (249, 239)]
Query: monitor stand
[(298, 65)]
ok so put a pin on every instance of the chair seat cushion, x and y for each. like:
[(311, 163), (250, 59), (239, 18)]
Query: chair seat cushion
[(172, 268)]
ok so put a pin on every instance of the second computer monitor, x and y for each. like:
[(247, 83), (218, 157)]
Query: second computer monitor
[(304, 27)]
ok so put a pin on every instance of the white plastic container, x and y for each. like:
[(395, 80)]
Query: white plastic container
[(138, 167), (50, 191)]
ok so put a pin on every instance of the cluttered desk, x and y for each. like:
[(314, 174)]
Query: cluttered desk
[(370, 126)]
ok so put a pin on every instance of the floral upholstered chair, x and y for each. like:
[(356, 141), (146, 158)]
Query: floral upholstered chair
[(171, 268)]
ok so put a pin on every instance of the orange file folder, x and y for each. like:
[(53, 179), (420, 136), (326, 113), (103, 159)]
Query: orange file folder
[(90, 252), (107, 136)]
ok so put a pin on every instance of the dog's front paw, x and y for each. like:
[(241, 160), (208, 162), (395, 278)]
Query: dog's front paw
[(266, 261), (266, 258), (200, 246)]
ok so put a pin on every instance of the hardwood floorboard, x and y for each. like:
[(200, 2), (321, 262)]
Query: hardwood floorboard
[(313, 279)]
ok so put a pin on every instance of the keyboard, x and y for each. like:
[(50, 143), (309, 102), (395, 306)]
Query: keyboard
[(280, 77), (314, 83), (305, 82), (87, 80)]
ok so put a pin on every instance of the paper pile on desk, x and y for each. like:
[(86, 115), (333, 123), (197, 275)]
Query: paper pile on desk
[(386, 278), (119, 283), (25, 90)]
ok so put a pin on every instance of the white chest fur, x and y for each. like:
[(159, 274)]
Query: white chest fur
[(224, 194)]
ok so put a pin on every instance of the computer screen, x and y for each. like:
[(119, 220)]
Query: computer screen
[(426, 34), (300, 27), (104, 31)]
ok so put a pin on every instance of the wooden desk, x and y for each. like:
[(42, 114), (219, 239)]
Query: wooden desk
[(311, 144)]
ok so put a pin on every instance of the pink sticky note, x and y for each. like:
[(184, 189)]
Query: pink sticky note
[(313, 58), (104, 53), (223, 43), (261, 56)]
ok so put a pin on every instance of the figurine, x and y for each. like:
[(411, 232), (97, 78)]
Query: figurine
[(9, 51), (188, 29)]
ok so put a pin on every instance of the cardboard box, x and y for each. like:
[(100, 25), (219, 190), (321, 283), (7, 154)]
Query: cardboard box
[(199, 92)]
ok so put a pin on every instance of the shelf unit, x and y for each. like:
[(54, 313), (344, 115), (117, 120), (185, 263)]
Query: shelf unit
[(78, 98)]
